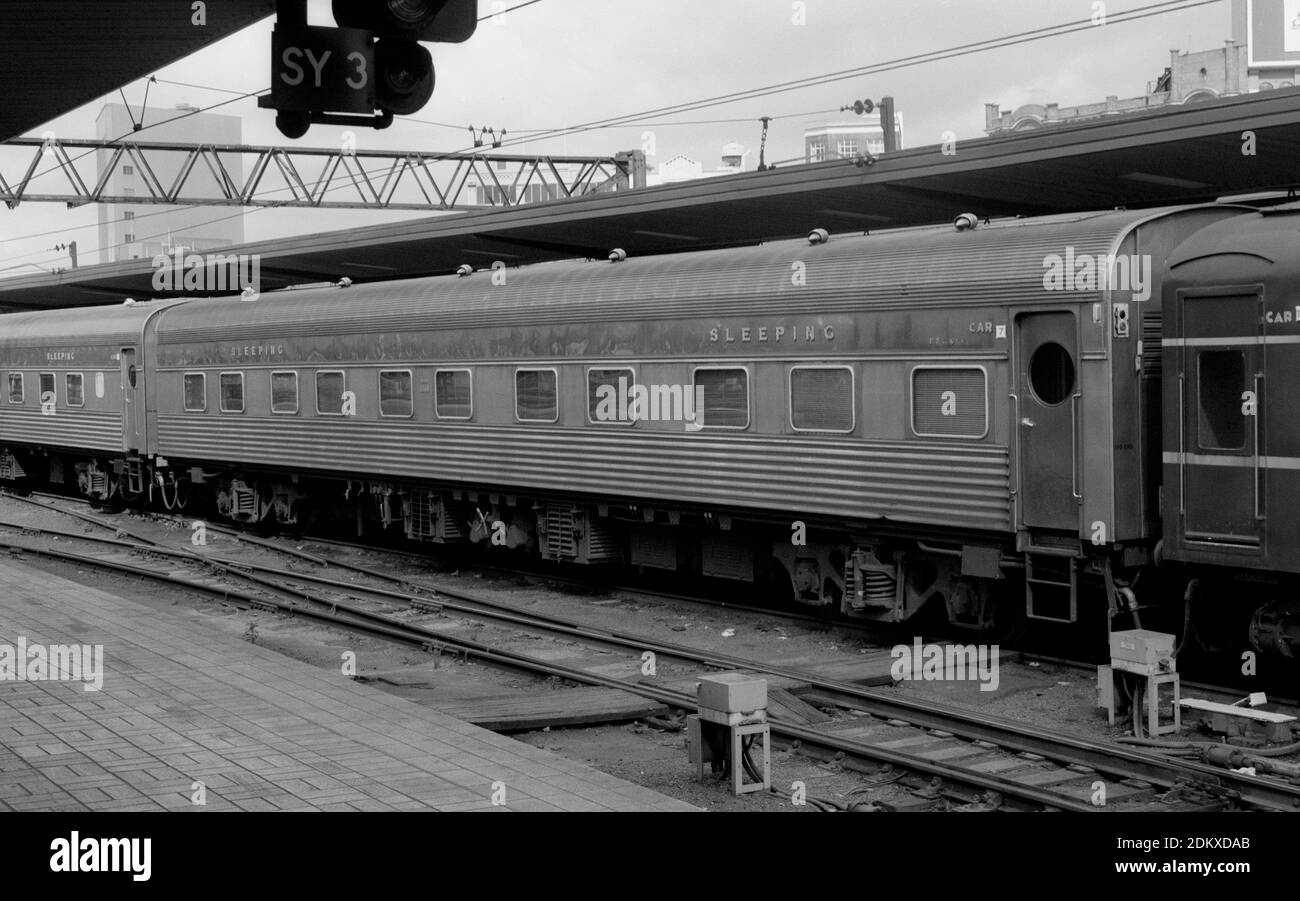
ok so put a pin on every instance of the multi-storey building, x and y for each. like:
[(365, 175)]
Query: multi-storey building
[(128, 231)]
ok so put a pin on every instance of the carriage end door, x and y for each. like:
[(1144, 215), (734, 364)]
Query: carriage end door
[(132, 402), (1220, 388), (1047, 431)]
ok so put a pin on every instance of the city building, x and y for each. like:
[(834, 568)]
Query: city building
[(502, 186), (735, 158), (142, 232), (1263, 55), (849, 138)]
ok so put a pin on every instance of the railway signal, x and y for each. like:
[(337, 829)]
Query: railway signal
[(889, 124), (887, 121), (71, 248), (374, 61)]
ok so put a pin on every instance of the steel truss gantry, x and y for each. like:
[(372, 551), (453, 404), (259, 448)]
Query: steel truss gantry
[(327, 178)]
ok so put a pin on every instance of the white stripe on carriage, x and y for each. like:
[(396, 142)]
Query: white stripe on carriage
[(1246, 462), (1243, 341)]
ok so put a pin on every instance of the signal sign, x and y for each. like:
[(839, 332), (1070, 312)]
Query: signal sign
[(322, 69), (373, 62)]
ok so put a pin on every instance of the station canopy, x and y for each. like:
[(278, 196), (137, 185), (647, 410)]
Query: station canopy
[(1181, 154), (56, 55)]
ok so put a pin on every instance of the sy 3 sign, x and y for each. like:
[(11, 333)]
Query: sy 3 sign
[(322, 69)]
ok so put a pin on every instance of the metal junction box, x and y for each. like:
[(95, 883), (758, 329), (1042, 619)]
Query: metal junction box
[(731, 693), (1142, 651)]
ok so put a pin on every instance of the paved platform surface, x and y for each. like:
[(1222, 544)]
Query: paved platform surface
[(184, 702)]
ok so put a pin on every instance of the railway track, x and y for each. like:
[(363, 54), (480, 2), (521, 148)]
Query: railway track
[(870, 631), (969, 758)]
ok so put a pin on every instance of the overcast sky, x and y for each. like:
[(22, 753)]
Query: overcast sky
[(559, 63)]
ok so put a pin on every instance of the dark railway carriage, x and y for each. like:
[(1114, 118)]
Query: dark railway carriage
[(1232, 420), (74, 405), (937, 406)]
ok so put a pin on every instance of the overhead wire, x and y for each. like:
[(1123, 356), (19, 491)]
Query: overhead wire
[(1156, 9), (632, 119)]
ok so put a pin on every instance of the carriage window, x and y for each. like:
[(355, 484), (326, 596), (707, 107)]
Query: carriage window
[(821, 399), (47, 395), (1220, 382), (330, 385), (726, 398), (15, 387), (74, 389), (395, 393), (284, 392), (535, 395), (1051, 373), (196, 395), (453, 394), (232, 392), (606, 396), (950, 403)]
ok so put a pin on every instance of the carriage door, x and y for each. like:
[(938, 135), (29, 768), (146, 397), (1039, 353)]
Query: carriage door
[(132, 402), (1047, 389), (1221, 401)]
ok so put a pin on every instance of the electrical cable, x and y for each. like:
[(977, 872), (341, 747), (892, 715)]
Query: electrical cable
[(1138, 13), (1162, 8)]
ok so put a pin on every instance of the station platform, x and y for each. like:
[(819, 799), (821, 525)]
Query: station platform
[(183, 702)]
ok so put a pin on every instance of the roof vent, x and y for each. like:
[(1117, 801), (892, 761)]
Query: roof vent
[(344, 282), (617, 255), (129, 302), (966, 222), (818, 236), (464, 270)]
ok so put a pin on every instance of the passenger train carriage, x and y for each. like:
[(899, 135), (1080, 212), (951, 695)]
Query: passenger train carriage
[(873, 422)]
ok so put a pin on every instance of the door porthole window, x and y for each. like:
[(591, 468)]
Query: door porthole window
[(1051, 374)]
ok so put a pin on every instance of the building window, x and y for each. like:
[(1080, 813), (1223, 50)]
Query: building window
[(453, 394), (15, 387), (726, 398), (395, 397), (128, 170), (536, 395), (128, 216), (817, 152), (847, 148), (47, 393), (614, 402), (284, 392), (330, 385), (74, 389), (950, 402), (1220, 383), (128, 238), (821, 399), (196, 395), (232, 392), (128, 192)]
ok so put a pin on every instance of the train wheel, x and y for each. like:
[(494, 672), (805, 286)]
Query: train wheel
[(1009, 620), (305, 514)]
